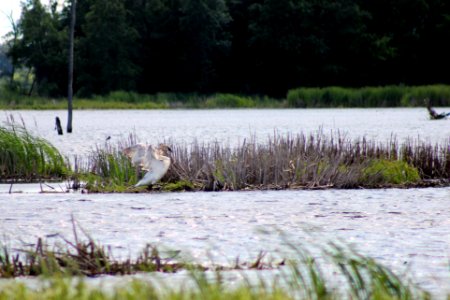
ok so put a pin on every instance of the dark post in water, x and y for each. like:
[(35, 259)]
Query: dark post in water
[(58, 126)]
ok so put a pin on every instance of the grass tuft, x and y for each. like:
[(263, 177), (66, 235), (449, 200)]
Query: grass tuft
[(24, 157), (367, 279)]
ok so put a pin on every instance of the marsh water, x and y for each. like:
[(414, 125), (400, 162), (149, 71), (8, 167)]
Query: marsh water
[(405, 229), (93, 127)]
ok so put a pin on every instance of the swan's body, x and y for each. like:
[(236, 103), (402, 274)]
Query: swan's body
[(154, 161)]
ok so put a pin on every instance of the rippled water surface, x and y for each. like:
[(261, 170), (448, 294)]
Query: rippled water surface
[(406, 229), (91, 128)]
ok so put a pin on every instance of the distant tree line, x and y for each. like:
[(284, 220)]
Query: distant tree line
[(238, 46)]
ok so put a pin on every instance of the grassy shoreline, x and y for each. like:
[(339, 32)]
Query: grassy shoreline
[(131, 100), (305, 97)]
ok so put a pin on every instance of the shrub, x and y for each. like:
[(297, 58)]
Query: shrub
[(383, 171), (229, 101)]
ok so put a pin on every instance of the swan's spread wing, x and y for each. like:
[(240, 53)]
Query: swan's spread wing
[(157, 168), (148, 159), (136, 153)]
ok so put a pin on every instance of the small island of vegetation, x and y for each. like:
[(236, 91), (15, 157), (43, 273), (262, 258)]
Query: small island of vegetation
[(283, 162)]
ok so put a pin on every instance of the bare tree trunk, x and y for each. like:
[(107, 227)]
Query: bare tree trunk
[(11, 43), (30, 91), (11, 77), (70, 83)]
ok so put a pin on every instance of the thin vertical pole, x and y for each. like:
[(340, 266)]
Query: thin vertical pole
[(70, 81)]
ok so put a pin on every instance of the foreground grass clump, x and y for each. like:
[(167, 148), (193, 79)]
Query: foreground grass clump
[(65, 289), (301, 277), (137, 290), (385, 96), (288, 162), (82, 256), (24, 157), (78, 258)]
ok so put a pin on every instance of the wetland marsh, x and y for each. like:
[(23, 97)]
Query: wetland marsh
[(404, 229)]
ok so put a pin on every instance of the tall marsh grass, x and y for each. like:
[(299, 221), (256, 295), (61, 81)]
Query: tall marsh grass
[(294, 161), (314, 161), (386, 96), (24, 157)]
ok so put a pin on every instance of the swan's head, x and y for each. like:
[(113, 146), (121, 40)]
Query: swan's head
[(164, 149)]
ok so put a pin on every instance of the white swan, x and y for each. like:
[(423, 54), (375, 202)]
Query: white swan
[(155, 161)]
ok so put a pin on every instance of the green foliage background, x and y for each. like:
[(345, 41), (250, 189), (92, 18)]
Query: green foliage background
[(232, 46)]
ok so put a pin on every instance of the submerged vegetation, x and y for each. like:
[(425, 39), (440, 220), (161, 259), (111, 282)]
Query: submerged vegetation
[(24, 157)]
